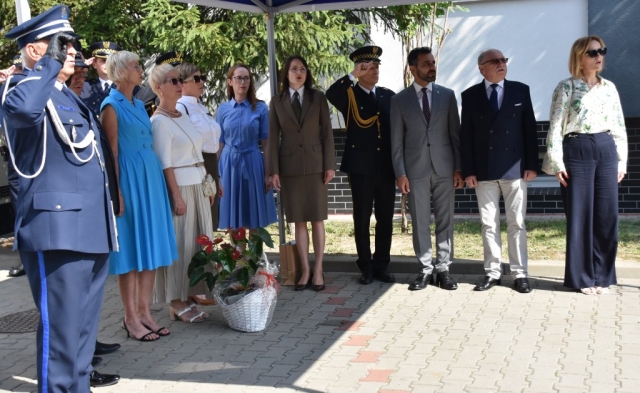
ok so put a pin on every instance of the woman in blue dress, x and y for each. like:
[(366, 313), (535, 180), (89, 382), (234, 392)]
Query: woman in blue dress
[(145, 228), (248, 198)]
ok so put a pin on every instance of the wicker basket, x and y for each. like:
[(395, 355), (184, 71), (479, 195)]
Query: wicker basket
[(253, 312)]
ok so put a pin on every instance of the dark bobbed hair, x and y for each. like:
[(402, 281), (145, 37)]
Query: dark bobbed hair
[(251, 94), (284, 79), (412, 59)]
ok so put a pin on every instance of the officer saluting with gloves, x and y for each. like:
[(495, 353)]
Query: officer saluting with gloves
[(64, 225)]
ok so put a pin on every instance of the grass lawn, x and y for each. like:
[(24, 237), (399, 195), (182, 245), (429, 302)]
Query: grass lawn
[(546, 238)]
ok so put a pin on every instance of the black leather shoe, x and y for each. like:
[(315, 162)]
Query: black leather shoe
[(17, 271), (384, 275), (421, 282), (103, 349), (522, 285), (96, 379), (366, 278), (444, 281), (486, 283), (96, 360)]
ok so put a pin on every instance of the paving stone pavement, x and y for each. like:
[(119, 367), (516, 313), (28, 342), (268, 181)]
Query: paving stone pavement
[(376, 338)]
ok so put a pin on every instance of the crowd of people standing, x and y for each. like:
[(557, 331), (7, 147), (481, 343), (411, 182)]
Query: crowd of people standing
[(99, 186)]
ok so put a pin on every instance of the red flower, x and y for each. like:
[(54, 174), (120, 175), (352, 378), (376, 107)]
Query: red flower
[(218, 240), (236, 254), (203, 240), (225, 246), (239, 234), (208, 248)]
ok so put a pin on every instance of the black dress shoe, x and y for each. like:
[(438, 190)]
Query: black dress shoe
[(366, 278), (486, 283), (522, 285), (96, 379), (301, 287), (444, 281), (384, 275), (103, 349), (96, 360), (17, 271), (421, 282)]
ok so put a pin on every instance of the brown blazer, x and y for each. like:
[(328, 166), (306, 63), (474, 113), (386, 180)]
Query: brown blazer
[(306, 147)]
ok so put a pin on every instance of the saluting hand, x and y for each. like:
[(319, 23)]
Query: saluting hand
[(361, 69), (57, 48), (5, 74)]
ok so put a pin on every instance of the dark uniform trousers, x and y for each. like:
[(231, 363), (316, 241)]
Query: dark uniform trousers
[(591, 206), (367, 161)]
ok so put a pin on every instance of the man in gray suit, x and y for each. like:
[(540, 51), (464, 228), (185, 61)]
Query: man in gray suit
[(425, 148)]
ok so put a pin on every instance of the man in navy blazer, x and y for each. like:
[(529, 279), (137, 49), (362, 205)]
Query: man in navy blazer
[(64, 225), (499, 156)]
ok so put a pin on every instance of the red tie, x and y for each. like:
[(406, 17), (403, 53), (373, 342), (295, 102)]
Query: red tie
[(425, 105)]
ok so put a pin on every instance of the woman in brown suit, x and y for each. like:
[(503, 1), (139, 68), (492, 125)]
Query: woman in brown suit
[(304, 161)]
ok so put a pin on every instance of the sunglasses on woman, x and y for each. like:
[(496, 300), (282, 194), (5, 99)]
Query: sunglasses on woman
[(593, 53), (197, 78), (174, 81)]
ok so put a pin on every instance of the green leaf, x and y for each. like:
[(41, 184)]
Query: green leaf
[(198, 275), (243, 276)]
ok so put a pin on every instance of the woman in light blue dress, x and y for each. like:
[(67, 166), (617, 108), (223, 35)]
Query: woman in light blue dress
[(248, 198), (145, 229)]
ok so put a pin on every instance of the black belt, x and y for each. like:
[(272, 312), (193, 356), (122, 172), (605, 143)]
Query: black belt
[(577, 134)]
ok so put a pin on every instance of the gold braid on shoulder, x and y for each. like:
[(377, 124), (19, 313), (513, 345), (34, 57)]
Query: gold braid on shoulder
[(352, 111)]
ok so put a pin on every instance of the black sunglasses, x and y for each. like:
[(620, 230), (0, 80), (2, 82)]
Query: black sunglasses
[(496, 61), (595, 52), (197, 78), (175, 81)]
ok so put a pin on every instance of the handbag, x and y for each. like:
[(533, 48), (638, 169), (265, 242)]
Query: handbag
[(290, 264), (208, 186)]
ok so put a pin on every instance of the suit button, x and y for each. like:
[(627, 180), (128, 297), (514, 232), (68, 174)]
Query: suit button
[(378, 112), (58, 207), (506, 148), (378, 148), (106, 184), (39, 68), (491, 148), (300, 145), (428, 144), (142, 132), (490, 131), (353, 145), (70, 120), (144, 145), (507, 132)]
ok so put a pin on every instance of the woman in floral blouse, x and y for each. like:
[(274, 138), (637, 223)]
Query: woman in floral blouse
[(587, 152)]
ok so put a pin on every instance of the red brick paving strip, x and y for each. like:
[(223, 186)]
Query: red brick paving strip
[(331, 290), (343, 312), (349, 326), (339, 301), (378, 376), (367, 357), (358, 341)]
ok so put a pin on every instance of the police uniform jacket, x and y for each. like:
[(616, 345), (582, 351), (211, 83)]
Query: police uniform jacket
[(502, 145), (93, 94), (367, 150), (67, 206)]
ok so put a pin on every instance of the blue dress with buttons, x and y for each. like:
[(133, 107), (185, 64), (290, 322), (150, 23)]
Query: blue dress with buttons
[(145, 230), (244, 202)]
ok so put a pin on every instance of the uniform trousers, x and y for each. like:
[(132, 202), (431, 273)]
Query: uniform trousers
[(373, 192), (442, 191), (591, 206), (514, 193), (67, 288)]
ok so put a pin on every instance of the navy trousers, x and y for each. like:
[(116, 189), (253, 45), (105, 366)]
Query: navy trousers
[(67, 288), (373, 192), (591, 206)]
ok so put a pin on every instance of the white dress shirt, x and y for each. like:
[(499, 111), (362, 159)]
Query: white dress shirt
[(300, 92), (500, 90), (419, 93), (202, 121)]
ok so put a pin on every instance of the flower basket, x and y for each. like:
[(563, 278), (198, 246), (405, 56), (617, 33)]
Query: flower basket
[(241, 279), (253, 312)]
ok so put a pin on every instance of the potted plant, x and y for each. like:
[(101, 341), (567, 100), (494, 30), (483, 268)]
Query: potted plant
[(242, 280)]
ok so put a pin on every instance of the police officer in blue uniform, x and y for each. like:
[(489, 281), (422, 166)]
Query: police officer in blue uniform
[(96, 90), (367, 159), (64, 225)]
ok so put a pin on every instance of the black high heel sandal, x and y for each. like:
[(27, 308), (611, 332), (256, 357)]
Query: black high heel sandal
[(146, 338), (300, 287)]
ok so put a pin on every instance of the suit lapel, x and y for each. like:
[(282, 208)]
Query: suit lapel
[(306, 103), (412, 102), (506, 100), (285, 101)]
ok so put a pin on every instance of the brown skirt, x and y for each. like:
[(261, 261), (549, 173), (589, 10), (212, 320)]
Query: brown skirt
[(304, 197)]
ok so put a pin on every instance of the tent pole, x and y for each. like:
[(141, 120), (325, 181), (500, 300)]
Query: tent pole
[(273, 81)]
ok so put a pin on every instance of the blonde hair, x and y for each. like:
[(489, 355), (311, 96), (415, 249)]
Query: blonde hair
[(578, 49), (117, 65), (158, 75), (186, 70)]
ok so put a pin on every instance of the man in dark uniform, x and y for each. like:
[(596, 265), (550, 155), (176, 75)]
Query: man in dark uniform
[(367, 159), (64, 225), (145, 94), (96, 90)]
